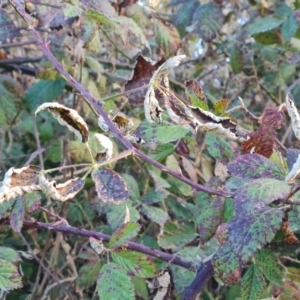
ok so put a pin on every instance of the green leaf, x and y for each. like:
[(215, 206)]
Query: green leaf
[(141, 288), (268, 265), (43, 91), (255, 166), (176, 235), (9, 254), (116, 214), (229, 211), (114, 283), (7, 106), (5, 207), (237, 60), (32, 201), (208, 215), (10, 278), (134, 191), (102, 18), (195, 94), (184, 16), (136, 264), (218, 147), (154, 196), (207, 21), (124, 234), (162, 151), (7, 28), (155, 214), (17, 215), (162, 134), (289, 27), (252, 284), (264, 24), (88, 274)]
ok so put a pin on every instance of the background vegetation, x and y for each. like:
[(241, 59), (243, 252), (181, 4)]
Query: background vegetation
[(219, 216)]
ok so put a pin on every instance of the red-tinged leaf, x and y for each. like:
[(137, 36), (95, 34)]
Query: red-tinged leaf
[(226, 265), (63, 191), (136, 264), (195, 94), (272, 117), (17, 215), (260, 142), (142, 73), (246, 234), (18, 182), (110, 186), (254, 166), (222, 233), (124, 234), (258, 192), (67, 117)]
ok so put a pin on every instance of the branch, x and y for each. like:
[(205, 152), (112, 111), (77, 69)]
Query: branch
[(204, 272), (96, 104), (105, 238)]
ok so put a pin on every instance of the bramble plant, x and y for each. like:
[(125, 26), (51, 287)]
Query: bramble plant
[(149, 150)]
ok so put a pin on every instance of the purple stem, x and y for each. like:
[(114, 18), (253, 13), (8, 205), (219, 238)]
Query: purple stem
[(89, 98), (104, 237)]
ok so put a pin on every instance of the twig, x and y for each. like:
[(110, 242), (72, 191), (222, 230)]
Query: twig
[(101, 236), (89, 98), (43, 266)]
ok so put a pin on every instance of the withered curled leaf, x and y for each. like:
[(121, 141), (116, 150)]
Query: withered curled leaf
[(221, 126), (180, 113), (18, 182), (142, 73), (161, 284), (67, 117), (294, 115), (61, 192), (107, 145), (151, 106), (291, 176), (97, 245)]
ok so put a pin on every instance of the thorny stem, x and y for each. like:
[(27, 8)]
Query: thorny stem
[(105, 238), (89, 98), (65, 167)]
